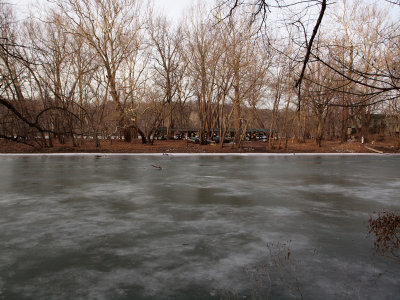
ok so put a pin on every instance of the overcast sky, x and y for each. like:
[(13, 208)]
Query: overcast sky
[(172, 8)]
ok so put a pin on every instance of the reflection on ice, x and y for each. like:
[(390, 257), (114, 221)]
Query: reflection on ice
[(115, 228)]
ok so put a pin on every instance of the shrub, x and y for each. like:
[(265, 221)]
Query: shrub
[(386, 228)]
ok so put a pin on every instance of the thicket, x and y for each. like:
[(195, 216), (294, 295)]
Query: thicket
[(116, 69)]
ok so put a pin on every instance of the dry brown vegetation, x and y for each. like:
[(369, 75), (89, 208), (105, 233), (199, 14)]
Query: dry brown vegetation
[(181, 146), (385, 226)]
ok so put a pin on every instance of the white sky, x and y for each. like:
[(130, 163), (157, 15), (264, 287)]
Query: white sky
[(172, 8)]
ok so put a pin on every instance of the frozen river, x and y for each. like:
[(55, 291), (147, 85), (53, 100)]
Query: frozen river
[(201, 227)]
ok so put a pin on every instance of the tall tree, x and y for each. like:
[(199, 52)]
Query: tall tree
[(168, 63), (113, 29)]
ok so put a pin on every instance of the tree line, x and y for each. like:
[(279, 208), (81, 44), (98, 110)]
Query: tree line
[(105, 69)]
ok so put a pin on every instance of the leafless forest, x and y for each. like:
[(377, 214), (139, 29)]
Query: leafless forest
[(117, 69)]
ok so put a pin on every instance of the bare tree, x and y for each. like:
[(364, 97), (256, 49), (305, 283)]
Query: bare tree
[(112, 28), (19, 92), (202, 55), (262, 10), (360, 57), (168, 63), (318, 97), (243, 54)]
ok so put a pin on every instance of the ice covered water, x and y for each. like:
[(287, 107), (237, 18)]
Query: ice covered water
[(201, 227)]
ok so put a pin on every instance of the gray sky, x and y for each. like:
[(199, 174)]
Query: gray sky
[(172, 8)]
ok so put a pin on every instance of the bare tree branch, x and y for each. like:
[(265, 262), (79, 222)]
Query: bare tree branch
[(310, 43)]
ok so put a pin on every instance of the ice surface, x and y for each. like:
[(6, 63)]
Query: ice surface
[(203, 227)]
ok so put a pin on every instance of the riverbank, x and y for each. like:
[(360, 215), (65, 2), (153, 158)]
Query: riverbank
[(182, 146)]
